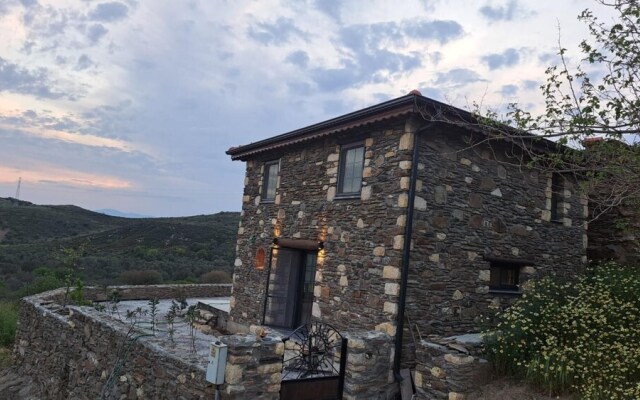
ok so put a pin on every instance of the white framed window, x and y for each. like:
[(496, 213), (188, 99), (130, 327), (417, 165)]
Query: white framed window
[(270, 180), (350, 169)]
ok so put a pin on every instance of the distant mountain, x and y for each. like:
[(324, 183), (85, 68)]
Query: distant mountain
[(32, 238), (116, 213)]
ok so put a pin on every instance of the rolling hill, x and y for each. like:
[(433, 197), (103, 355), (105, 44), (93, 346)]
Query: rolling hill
[(33, 239)]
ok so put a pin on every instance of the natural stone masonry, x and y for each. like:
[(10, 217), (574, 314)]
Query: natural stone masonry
[(71, 352), (450, 368), (70, 356), (471, 203), (17, 386), (475, 204), (615, 235), (254, 366), (480, 205), (362, 235), (369, 366), (146, 292)]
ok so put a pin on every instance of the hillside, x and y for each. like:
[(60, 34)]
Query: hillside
[(23, 222), (32, 239)]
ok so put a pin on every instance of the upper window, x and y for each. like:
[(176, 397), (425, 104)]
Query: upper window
[(350, 170), (270, 180), (504, 277), (557, 190)]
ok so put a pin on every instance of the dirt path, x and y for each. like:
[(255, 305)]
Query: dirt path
[(507, 389)]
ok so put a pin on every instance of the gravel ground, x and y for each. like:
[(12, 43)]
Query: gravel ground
[(182, 341)]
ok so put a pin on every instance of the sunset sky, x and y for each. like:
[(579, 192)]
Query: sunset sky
[(131, 105)]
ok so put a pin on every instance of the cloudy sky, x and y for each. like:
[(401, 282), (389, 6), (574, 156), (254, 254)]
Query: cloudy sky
[(131, 104)]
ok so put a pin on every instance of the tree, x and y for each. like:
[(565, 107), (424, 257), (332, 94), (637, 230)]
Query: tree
[(592, 113), (70, 259)]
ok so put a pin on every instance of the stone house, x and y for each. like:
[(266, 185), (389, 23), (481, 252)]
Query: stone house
[(382, 220)]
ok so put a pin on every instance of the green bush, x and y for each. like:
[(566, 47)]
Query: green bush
[(581, 336), (134, 277), (8, 321), (41, 284), (215, 277)]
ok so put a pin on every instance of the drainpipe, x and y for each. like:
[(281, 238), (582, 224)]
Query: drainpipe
[(406, 252)]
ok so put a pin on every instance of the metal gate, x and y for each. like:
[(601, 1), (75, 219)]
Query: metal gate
[(315, 356)]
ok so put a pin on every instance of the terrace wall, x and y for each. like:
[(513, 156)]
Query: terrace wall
[(80, 353)]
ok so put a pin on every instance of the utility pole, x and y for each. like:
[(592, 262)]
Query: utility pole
[(18, 189)]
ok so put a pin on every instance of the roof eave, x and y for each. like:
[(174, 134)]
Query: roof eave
[(383, 111), (405, 105)]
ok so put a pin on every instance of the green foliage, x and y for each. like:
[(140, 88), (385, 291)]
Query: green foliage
[(216, 277), (591, 101), (28, 222), (5, 358), (114, 300), (153, 312), (598, 95), (135, 277), (70, 259), (180, 249), (8, 322), (171, 315), (77, 294), (191, 317), (581, 336), (41, 284)]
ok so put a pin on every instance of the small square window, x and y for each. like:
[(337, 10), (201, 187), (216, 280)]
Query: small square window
[(504, 277), (557, 189), (350, 170), (270, 180)]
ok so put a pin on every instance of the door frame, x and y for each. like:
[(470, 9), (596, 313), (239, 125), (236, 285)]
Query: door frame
[(298, 298)]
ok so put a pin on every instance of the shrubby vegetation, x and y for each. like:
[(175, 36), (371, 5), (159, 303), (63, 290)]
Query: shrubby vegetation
[(215, 277), (8, 320), (49, 247), (135, 277), (34, 239), (580, 336)]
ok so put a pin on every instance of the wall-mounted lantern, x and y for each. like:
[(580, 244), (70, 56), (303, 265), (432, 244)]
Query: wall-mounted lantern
[(260, 258)]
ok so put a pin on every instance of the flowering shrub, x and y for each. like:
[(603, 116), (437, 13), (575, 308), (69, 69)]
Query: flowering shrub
[(581, 336)]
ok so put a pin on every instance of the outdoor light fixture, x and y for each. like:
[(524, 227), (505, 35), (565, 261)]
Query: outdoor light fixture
[(260, 258)]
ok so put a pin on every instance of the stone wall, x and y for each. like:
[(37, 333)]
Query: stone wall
[(75, 352), (472, 204), (614, 233), (214, 317), (71, 353), (614, 236), (145, 292), (254, 367), (356, 275), (450, 368), (369, 370)]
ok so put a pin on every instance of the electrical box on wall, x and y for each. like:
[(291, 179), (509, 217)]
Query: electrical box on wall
[(217, 362)]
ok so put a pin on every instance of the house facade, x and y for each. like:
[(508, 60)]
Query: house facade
[(383, 220)]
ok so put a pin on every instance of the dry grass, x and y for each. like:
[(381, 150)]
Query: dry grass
[(5, 358), (508, 389)]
